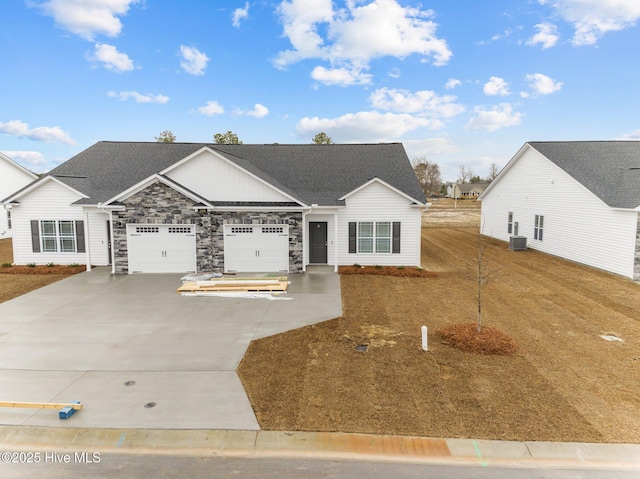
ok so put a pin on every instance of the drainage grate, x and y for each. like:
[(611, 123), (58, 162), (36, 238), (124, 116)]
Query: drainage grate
[(149, 405), (361, 347)]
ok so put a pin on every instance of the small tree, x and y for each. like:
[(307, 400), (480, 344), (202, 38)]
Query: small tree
[(483, 275), (228, 138), (322, 139), (166, 136)]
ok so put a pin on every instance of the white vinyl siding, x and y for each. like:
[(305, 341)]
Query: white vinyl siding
[(577, 225), (48, 202), (12, 178), (97, 237), (217, 179), (377, 203)]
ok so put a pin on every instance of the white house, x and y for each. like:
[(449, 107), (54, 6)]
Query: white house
[(12, 178), (182, 207), (578, 200)]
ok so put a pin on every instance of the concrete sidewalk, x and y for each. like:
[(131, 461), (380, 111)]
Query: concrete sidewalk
[(320, 445)]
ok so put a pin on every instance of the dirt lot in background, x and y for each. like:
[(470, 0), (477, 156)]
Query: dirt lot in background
[(14, 283), (566, 383)]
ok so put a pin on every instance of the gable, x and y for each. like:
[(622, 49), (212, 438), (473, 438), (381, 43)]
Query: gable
[(12, 177), (217, 179)]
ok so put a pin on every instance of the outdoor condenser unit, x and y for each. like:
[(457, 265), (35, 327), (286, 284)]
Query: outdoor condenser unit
[(518, 243)]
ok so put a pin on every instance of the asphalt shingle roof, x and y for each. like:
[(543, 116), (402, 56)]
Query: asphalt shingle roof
[(314, 174), (609, 169)]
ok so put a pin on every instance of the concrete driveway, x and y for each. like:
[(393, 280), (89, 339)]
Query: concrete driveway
[(120, 343)]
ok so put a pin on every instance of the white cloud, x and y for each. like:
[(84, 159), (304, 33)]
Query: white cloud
[(547, 36), (138, 97), (593, 18), (32, 160), (366, 126), (496, 86), (452, 83), (357, 33), (340, 76), (633, 136), (429, 147), (240, 14), (424, 103), (211, 108), (111, 58), (88, 18), (501, 116), (46, 134), (193, 61), (542, 84), (258, 111)]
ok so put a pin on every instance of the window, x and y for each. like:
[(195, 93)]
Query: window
[(510, 223), (374, 237), (58, 236), (383, 237), (9, 219), (365, 237), (538, 228)]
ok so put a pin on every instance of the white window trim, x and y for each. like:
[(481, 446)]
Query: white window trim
[(375, 237), (58, 236)]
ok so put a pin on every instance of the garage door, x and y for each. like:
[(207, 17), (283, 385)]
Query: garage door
[(256, 248), (161, 248)]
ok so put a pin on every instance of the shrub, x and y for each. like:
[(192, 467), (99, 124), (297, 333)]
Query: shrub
[(31, 265), (74, 265), (50, 265), (6, 265)]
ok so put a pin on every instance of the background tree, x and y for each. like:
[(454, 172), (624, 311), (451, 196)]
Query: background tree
[(228, 138), (166, 136), (322, 139), (465, 175), (475, 179), (428, 174), (493, 172)]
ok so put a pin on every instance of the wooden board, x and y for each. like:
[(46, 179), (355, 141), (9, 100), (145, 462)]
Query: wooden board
[(236, 285)]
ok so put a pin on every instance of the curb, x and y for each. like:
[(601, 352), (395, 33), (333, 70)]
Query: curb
[(320, 445)]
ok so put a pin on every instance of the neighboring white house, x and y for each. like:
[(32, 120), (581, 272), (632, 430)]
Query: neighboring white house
[(181, 207), (12, 178), (578, 200)]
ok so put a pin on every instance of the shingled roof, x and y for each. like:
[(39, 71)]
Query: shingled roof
[(609, 169), (313, 174)]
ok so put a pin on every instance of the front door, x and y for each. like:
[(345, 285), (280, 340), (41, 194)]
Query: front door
[(318, 242)]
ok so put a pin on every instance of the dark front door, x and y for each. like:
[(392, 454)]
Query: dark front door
[(318, 240)]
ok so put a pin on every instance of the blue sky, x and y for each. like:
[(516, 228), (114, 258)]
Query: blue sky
[(458, 82)]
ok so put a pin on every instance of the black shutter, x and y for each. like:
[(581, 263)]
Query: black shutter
[(35, 236), (352, 237), (80, 248), (395, 247)]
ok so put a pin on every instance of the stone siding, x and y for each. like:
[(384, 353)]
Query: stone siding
[(161, 204)]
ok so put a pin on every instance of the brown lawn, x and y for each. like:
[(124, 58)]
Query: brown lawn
[(18, 280), (565, 382)]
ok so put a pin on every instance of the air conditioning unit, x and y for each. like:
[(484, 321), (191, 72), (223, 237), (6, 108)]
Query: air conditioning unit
[(518, 243)]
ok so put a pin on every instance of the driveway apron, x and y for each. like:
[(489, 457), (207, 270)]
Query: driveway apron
[(139, 355)]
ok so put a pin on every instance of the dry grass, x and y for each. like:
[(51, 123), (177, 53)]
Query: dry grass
[(565, 383), (18, 280)]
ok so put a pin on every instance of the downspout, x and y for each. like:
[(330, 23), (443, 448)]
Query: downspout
[(112, 248)]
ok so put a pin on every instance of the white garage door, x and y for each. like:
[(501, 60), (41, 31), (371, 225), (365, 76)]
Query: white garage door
[(256, 248), (161, 248)]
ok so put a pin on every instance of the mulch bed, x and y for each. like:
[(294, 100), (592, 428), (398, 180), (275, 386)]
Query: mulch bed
[(43, 269), (401, 271), (465, 337)]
